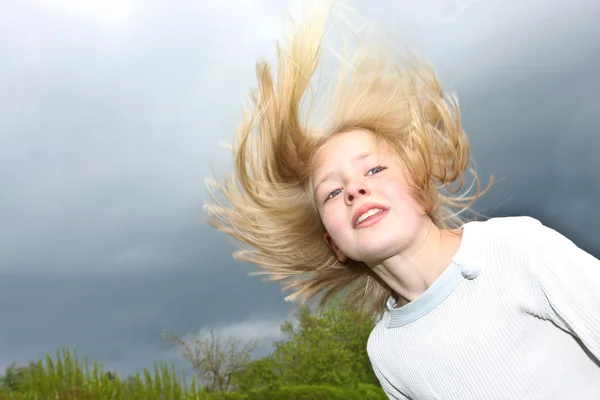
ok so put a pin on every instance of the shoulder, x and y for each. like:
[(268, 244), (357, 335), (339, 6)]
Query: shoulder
[(376, 343), (503, 232), (518, 242), (499, 245), (522, 231), (514, 226), (481, 239)]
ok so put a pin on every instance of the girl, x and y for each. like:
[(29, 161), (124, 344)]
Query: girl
[(368, 204)]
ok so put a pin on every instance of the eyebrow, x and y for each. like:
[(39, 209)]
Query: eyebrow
[(327, 176)]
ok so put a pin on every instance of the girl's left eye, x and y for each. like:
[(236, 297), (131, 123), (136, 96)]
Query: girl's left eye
[(375, 170)]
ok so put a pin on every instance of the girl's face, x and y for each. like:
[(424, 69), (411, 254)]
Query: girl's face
[(363, 199)]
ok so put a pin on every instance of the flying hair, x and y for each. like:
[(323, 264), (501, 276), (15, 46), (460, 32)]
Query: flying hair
[(267, 202)]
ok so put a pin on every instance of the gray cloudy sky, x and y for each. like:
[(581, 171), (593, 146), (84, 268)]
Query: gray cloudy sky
[(110, 114)]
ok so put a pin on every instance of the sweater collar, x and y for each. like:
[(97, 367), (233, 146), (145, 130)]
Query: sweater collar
[(444, 285)]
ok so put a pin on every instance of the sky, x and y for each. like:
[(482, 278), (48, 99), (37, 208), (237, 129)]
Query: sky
[(110, 116)]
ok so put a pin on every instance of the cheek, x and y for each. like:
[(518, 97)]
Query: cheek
[(333, 221), (403, 200)]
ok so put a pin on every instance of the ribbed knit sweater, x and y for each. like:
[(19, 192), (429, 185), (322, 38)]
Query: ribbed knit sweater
[(516, 315)]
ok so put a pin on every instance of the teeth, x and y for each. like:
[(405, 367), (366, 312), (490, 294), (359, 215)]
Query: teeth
[(366, 215)]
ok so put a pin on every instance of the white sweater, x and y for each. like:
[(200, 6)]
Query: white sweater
[(515, 316)]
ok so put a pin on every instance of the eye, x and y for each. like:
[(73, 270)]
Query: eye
[(376, 170), (333, 194)]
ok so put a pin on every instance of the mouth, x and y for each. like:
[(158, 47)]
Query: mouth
[(369, 215)]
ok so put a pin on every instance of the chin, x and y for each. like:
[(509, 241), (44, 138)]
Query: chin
[(377, 249), (376, 254)]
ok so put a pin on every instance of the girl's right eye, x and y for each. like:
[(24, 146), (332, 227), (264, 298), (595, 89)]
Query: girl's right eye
[(333, 194)]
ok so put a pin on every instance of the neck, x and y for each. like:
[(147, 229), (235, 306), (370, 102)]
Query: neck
[(411, 273)]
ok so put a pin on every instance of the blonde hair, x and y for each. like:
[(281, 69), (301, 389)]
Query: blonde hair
[(267, 203)]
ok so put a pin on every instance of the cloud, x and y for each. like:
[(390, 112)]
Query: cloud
[(112, 111), (252, 329), (107, 127), (119, 320), (265, 331)]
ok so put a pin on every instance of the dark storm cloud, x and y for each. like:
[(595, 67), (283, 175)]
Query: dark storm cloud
[(109, 119), (120, 320), (536, 130)]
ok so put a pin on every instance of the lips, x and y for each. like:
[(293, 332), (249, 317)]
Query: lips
[(366, 208)]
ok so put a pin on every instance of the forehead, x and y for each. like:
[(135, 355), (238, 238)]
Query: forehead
[(358, 140), (346, 146)]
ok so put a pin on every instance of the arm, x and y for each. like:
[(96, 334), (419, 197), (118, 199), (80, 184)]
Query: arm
[(391, 392), (569, 279)]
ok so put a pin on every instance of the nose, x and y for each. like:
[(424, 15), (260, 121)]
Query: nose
[(356, 189)]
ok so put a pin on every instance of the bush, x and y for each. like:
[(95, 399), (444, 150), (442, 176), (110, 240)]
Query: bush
[(68, 378), (224, 396), (305, 392)]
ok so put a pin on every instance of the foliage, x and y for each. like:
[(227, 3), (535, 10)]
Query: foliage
[(321, 357), (321, 392), (15, 375), (327, 349), (68, 377), (260, 374)]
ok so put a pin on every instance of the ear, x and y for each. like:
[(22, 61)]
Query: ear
[(340, 255)]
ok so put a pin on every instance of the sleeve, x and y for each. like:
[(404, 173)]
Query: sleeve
[(375, 345), (390, 391), (569, 279)]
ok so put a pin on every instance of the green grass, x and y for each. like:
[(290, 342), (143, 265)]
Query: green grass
[(67, 377)]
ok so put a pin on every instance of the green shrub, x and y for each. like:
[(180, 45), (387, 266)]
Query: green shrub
[(66, 377), (305, 392), (225, 396)]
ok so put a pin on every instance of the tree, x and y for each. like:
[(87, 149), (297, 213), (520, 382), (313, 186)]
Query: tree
[(260, 374), (215, 359), (15, 376), (352, 328), (329, 348), (325, 349)]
